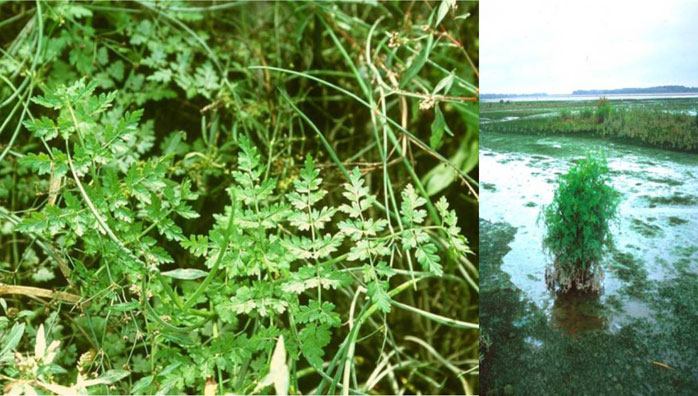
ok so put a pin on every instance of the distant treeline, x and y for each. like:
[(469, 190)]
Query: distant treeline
[(645, 125), (664, 89), (504, 96), (650, 90)]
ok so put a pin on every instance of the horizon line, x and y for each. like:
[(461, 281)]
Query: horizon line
[(587, 89)]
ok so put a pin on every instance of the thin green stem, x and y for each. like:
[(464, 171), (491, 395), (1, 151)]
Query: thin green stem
[(214, 269)]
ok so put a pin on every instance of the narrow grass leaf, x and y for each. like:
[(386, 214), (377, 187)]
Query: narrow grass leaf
[(185, 274), (417, 63)]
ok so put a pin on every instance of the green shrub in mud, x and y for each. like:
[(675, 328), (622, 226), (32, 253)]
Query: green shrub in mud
[(577, 225)]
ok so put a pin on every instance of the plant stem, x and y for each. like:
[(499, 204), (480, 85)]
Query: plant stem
[(214, 270)]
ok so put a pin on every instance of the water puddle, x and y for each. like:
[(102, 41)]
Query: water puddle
[(687, 112), (577, 313)]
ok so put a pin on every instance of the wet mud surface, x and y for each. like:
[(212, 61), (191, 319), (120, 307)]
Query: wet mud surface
[(640, 336)]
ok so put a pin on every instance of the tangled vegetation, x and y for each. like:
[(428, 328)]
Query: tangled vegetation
[(577, 226), (238, 197), (668, 124)]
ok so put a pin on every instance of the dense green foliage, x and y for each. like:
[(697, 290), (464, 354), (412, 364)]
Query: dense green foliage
[(577, 225), (238, 197), (645, 122), (603, 110)]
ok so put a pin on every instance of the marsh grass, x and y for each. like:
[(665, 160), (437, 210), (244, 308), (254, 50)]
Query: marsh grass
[(665, 123)]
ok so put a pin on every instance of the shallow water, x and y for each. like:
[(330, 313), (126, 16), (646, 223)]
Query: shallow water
[(687, 112), (574, 98), (657, 227)]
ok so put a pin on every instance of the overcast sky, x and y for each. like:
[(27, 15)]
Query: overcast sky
[(559, 46)]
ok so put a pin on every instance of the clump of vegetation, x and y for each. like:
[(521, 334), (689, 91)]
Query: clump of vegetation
[(586, 112), (646, 228), (677, 198), (236, 197), (675, 221), (577, 226), (565, 114), (603, 110)]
